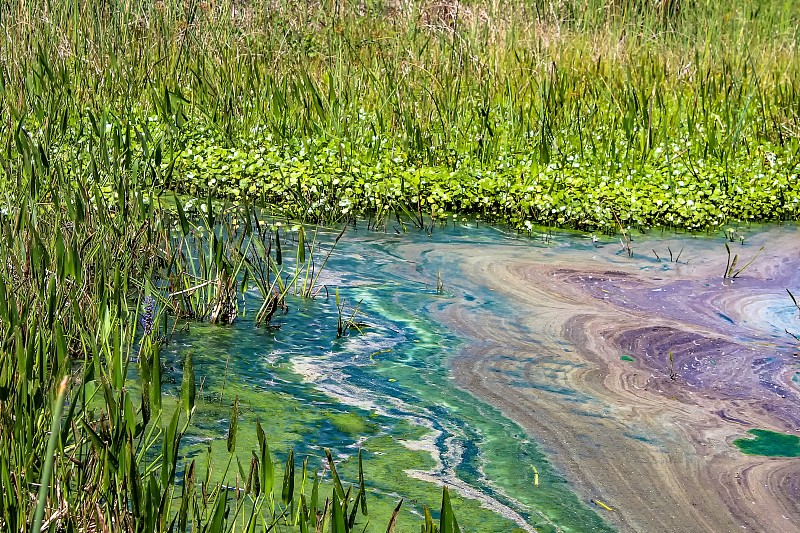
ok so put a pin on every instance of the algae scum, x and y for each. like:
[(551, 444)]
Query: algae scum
[(384, 388), (770, 443)]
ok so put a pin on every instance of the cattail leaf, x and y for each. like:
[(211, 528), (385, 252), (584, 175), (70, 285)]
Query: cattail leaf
[(184, 222), (287, 494), (47, 472), (4, 307), (447, 520), (304, 514), (220, 511), (188, 386), (427, 526), (278, 255), (155, 380), (352, 519), (234, 423), (301, 245), (393, 519), (186, 496), (145, 378), (361, 485), (167, 101), (253, 485), (267, 466), (315, 495), (51, 301), (337, 483), (337, 515)]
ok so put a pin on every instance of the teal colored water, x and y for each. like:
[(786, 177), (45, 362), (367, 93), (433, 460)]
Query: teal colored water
[(385, 389)]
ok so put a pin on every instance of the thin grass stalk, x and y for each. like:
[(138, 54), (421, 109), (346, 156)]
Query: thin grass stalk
[(47, 472)]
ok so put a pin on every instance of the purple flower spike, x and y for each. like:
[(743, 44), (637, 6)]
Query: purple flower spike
[(149, 316)]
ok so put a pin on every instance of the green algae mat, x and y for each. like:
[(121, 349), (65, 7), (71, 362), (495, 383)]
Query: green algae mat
[(384, 390), (770, 444)]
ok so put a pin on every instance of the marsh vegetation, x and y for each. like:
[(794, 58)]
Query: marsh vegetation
[(160, 159)]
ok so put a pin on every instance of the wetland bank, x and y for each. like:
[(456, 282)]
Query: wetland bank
[(391, 264)]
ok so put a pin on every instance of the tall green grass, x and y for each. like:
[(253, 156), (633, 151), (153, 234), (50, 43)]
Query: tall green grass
[(594, 114), (94, 262), (506, 109)]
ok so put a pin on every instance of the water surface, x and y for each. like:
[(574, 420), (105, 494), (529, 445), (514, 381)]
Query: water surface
[(493, 387)]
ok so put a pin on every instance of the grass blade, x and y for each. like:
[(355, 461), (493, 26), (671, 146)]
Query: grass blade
[(47, 473)]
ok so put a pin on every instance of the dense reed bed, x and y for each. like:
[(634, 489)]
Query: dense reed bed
[(96, 275), (98, 269), (592, 114), (588, 114)]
